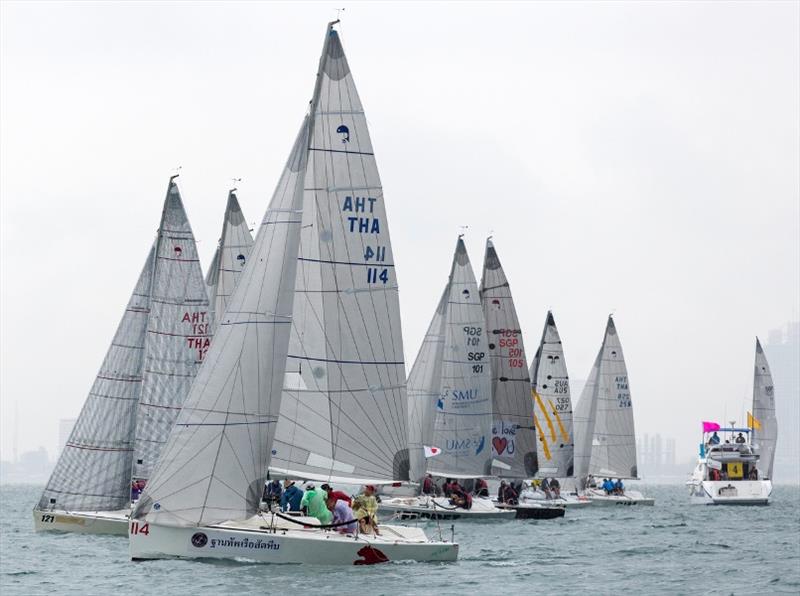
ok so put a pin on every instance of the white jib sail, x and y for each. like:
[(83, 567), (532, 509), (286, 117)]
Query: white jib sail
[(93, 472), (613, 442), (552, 406), (764, 438), (463, 423), (178, 333), (213, 466), (513, 432), (230, 258), (424, 390), (343, 414), (584, 418)]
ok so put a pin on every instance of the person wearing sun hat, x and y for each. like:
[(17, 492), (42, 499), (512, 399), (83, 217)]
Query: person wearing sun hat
[(365, 508)]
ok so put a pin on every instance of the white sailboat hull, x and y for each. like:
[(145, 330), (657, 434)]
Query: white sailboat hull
[(425, 507), (599, 498), (84, 522), (729, 492), (565, 500), (255, 540)]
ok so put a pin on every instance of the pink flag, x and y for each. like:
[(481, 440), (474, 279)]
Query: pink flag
[(710, 426)]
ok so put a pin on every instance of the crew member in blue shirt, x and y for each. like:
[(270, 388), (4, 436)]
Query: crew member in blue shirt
[(290, 500)]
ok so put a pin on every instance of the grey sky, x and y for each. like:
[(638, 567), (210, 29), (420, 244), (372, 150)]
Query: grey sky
[(640, 158)]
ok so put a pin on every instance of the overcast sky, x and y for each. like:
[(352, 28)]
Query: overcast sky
[(636, 158)]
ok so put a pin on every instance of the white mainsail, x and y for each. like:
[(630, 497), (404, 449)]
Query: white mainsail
[(552, 406), (229, 259), (331, 288), (178, 333), (765, 437), (343, 413), (463, 422), (425, 389), (513, 432), (93, 472), (605, 442)]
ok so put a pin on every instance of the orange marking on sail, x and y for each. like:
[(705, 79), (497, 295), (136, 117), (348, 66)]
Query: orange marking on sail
[(546, 417), (542, 438), (564, 434)]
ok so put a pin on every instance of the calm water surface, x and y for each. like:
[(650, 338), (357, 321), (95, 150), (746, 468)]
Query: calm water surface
[(670, 548)]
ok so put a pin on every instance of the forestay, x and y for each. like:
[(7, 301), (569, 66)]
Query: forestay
[(229, 259), (178, 333), (608, 437), (764, 438), (343, 414), (462, 426), (552, 406), (424, 390), (513, 433), (93, 472)]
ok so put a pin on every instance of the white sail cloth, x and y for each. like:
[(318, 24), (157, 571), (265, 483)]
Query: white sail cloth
[(343, 414), (424, 390), (178, 333), (605, 439), (335, 293), (93, 472), (513, 433), (235, 243), (462, 426), (552, 406), (213, 465), (765, 437)]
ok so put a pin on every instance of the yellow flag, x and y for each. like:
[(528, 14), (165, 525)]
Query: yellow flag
[(753, 422)]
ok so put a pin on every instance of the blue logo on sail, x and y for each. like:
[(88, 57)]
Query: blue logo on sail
[(241, 259), (480, 445), (345, 132)]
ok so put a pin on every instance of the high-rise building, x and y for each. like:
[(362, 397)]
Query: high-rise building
[(65, 426), (783, 353)]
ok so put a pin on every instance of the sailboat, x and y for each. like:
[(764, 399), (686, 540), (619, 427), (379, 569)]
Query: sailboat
[(513, 434), (306, 374), (229, 260), (605, 443), (450, 395), (552, 415), (148, 368), (738, 471)]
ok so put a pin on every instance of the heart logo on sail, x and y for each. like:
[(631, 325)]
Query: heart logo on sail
[(499, 444)]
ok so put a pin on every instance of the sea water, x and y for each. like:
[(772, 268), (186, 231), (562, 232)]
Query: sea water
[(671, 548)]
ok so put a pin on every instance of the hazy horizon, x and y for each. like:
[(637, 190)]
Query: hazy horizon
[(634, 158)]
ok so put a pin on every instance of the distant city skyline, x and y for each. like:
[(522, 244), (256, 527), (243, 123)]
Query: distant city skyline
[(636, 158)]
